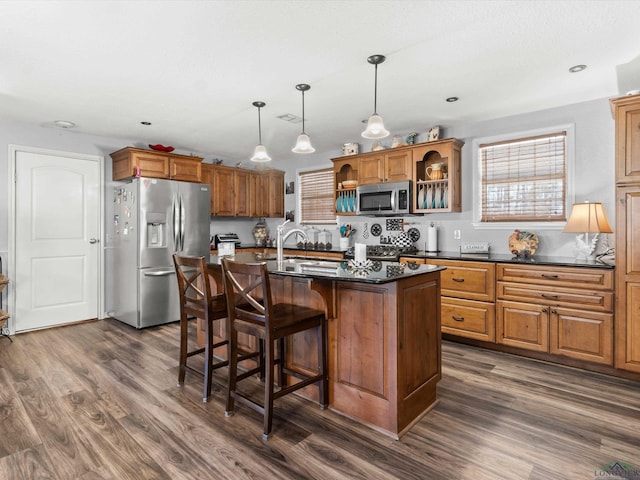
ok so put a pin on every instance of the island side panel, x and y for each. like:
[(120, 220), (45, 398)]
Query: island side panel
[(419, 355), (362, 368)]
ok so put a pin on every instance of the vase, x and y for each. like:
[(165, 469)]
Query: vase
[(260, 232)]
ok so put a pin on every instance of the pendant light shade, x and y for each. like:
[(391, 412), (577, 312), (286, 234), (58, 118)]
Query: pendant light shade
[(303, 144), (375, 126), (260, 153)]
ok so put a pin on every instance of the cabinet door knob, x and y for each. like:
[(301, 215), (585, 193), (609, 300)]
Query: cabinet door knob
[(544, 310), (545, 275), (457, 319), (546, 295), (458, 279)]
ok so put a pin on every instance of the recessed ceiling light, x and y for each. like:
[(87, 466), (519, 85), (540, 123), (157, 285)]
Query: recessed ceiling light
[(145, 123), (577, 68), (64, 124), (452, 99)]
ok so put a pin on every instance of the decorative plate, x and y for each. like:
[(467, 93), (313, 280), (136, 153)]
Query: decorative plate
[(376, 229), (161, 148), (414, 234), (523, 244)]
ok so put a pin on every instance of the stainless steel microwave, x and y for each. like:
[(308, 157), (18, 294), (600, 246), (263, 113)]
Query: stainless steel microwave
[(391, 198)]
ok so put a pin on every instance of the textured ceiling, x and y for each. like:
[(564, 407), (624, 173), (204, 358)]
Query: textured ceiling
[(193, 68)]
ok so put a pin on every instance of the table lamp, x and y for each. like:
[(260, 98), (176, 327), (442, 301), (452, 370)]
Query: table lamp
[(587, 217)]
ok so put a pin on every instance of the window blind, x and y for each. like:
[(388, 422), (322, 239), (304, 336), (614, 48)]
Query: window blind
[(524, 179), (316, 196)]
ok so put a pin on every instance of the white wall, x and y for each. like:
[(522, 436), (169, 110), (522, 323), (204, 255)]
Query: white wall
[(594, 140), (594, 176)]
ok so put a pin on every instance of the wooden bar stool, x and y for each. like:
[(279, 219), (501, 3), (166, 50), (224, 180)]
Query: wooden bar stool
[(197, 301), (250, 310)]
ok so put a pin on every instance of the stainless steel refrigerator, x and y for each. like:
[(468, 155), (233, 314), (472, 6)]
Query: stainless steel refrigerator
[(152, 220)]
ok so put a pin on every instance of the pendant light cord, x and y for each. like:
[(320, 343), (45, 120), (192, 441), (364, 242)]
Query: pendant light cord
[(375, 93), (259, 128), (302, 111)]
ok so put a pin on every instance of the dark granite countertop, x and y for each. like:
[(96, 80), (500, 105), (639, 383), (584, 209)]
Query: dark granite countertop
[(508, 258), (333, 249), (380, 272)]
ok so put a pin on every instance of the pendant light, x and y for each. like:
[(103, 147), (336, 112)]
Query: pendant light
[(303, 144), (260, 154), (375, 126)]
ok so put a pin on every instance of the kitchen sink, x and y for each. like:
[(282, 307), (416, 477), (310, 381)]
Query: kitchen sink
[(304, 265)]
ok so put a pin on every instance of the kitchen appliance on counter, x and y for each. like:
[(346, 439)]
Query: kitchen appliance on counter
[(389, 198), (226, 237), (389, 253), (152, 220)]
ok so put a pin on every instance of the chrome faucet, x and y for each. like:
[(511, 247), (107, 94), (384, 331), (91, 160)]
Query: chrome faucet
[(282, 237)]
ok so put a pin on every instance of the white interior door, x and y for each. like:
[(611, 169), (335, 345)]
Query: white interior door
[(57, 232)]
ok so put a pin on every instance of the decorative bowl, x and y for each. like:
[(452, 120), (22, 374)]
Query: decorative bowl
[(161, 148), (349, 183)]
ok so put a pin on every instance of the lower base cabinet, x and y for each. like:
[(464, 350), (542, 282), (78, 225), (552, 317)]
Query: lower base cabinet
[(523, 325), (582, 335), (563, 311)]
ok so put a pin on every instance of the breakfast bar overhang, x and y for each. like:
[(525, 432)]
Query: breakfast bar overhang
[(384, 335)]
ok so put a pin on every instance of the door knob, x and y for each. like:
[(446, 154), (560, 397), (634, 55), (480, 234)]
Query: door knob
[(93, 240)]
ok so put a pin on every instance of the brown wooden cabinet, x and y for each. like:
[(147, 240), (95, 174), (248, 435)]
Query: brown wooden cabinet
[(150, 163), (564, 311), (627, 126), (468, 298), (442, 195), (408, 163), (267, 194), (627, 117), (238, 192), (561, 310), (344, 169), (393, 165), (276, 193)]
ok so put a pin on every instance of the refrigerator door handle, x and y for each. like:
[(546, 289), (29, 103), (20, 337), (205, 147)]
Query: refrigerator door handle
[(183, 214), (176, 224), (160, 273)]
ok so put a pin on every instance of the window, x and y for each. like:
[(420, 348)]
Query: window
[(316, 196), (524, 179)]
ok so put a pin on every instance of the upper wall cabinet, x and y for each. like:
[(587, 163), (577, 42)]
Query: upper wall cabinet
[(437, 175), (345, 169), (627, 116), (238, 192), (129, 162), (391, 165)]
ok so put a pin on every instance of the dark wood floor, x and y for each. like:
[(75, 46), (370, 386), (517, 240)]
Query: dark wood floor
[(99, 400)]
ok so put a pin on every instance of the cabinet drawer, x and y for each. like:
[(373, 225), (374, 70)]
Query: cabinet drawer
[(468, 318), (470, 280), (593, 278), (558, 296)]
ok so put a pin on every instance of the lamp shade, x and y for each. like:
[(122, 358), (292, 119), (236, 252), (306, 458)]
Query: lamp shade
[(303, 145), (588, 217), (375, 128), (260, 154)]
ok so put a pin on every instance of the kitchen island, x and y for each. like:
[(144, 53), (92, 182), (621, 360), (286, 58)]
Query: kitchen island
[(384, 335)]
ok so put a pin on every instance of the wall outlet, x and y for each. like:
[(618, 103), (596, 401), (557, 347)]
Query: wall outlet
[(456, 234)]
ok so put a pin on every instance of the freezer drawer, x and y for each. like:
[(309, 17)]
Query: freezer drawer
[(159, 299)]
